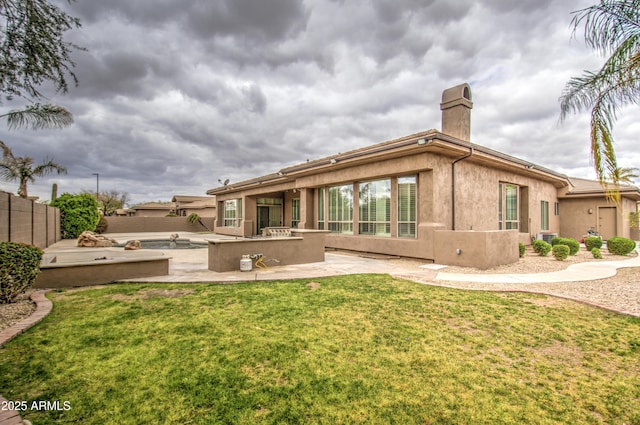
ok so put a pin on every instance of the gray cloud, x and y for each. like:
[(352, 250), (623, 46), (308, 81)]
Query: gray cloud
[(175, 95)]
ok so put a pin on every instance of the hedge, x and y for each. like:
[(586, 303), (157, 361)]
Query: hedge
[(592, 242), (620, 246), (561, 252), (19, 267), (541, 247), (77, 214), (574, 245)]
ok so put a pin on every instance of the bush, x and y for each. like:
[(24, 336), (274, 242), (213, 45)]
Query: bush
[(19, 267), (103, 225), (574, 245), (561, 252), (592, 242), (78, 213), (521, 249), (555, 241), (541, 247), (595, 251), (620, 246)]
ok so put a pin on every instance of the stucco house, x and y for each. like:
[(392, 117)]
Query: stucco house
[(204, 206), (154, 209), (583, 205), (433, 195)]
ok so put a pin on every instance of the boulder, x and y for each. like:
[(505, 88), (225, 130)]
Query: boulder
[(91, 240), (132, 245)]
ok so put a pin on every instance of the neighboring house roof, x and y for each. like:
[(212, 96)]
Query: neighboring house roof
[(190, 199), (431, 140), (584, 188), (155, 206)]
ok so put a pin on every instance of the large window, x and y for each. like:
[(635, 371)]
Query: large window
[(508, 206), (321, 208), (375, 208), (232, 213), (295, 212), (407, 207), (340, 218), (544, 215)]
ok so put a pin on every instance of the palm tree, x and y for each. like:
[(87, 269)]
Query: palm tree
[(39, 116), (620, 176), (23, 169), (626, 175), (612, 27)]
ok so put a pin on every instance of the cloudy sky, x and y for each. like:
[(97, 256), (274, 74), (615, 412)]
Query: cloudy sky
[(174, 95)]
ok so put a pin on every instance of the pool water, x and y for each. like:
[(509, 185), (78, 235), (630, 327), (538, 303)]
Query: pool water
[(169, 244)]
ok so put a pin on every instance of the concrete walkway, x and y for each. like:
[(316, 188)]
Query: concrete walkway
[(574, 273)]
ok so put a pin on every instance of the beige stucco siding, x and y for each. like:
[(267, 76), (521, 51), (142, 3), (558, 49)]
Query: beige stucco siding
[(581, 213), (477, 198)]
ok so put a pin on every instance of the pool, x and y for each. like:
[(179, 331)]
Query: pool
[(169, 244)]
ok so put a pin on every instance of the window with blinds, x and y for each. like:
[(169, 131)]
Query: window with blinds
[(544, 215), (321, 208), (232, 212), (375, 208), (508, 206), (295, 212), (340, 218), (407, 207)]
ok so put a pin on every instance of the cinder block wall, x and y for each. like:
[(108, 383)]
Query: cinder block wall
[(25, 221), (156, 224)]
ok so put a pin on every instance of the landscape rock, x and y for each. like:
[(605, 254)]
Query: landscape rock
[(132, 245), (91, 240)]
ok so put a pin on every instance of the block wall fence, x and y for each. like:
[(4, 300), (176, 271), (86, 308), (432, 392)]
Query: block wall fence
[(26, 221), (156, 224)]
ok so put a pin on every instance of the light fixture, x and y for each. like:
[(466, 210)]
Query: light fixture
[(422, 141), (333, 161), (530, 167), (280, 173)]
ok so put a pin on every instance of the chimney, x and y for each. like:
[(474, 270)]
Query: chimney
[(456, 112)]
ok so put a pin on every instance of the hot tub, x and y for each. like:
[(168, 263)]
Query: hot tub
[(84, 268)]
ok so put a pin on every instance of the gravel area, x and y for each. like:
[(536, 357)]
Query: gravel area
[(533, 263), (16, 311), (619, 293)]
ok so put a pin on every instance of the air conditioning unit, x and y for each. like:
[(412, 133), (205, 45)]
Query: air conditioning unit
[(548, 236)]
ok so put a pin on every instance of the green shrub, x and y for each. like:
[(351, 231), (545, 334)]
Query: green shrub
[(78, 213), (541, 247), (592, 242), (595, 251), (103, 225), (521, 249), (561, 252), (574, 245), (19, 267), (620, 246), (555, 241)]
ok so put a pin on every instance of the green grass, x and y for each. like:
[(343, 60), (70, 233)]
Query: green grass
[(358, 349)]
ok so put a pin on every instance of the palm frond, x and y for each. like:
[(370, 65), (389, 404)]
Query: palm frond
[(39, 116)]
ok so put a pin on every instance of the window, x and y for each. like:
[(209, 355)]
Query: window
[(232, 213), (321, 208), (340, 218), (508, 206), (295, 212), (544, 215), (375, 208), (556, 208), (407, 207)]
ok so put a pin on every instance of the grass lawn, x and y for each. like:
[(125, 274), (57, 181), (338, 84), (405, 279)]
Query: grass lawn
[(354, 349)]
